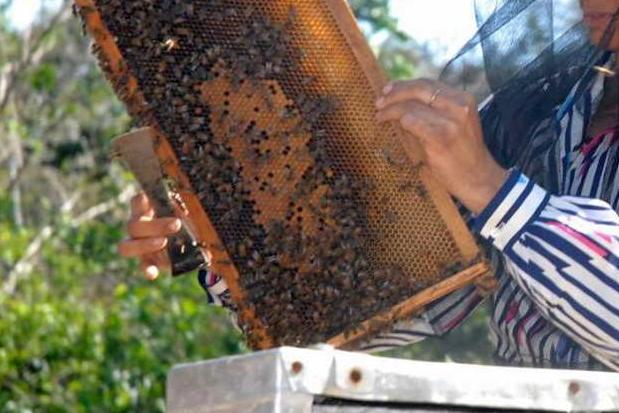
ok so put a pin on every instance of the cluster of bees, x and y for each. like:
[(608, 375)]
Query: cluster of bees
[(305, 286)]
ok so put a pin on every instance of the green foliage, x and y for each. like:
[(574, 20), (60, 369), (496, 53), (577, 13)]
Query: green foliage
[(87, 351), (398, 65), (88, 335), (82, 332), (376, 14), (469, 343), (44, 78)]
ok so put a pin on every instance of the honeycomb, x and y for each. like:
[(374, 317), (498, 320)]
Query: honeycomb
[(323, 226)]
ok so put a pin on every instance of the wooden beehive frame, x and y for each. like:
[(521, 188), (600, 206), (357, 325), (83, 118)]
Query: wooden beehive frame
[(127, 87)]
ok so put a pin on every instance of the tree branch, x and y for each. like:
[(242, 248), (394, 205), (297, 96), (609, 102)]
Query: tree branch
[(16, 178), (105, 207), (25, 263), (33, 53)]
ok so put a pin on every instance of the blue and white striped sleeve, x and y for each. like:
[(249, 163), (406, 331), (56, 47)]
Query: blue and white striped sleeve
[(216, 289), (563, 251), (438, 318)]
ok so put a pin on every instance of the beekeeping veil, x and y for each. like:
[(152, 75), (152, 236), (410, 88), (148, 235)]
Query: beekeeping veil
[(528, 55)]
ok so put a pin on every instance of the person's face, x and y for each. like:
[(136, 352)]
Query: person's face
[(597, 15)]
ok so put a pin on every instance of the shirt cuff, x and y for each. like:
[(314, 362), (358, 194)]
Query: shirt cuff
[(518, 203), (214, 286)]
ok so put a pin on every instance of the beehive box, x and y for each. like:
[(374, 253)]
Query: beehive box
[(323, 226), (327, 381)]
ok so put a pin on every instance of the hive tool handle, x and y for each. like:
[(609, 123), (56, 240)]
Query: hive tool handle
[(137, 151)]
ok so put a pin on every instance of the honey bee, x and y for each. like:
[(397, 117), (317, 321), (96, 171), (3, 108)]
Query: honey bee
[(171, 44)]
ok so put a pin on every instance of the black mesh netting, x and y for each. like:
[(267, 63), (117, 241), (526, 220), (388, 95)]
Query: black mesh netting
[(529, 55)]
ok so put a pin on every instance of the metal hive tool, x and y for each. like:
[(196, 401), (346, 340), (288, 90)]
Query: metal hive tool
[(264, 120)]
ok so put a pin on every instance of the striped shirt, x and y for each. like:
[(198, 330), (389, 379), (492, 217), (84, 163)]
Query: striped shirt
[(555, 254)]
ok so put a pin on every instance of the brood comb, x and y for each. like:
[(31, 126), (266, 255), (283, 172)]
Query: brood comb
[(322, 226)]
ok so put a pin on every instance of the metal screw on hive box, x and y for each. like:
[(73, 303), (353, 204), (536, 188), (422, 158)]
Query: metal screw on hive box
[(330, 381)]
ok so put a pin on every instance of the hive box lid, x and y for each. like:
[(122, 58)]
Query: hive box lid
[(290, 379)]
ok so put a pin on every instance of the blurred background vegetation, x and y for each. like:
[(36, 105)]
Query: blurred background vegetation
[(79, 330)]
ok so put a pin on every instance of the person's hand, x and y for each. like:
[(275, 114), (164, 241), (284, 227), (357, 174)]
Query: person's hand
[(148, 237), (446, 123)]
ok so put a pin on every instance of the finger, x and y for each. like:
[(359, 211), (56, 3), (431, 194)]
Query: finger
[(141, 207), (429, 128), (428, 125), (160, 259), (157, 228), (418, 89), (150, 271), (153, 264), (397, 111), (429, 93), (134, 248)]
